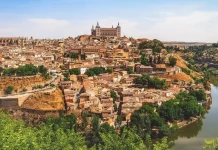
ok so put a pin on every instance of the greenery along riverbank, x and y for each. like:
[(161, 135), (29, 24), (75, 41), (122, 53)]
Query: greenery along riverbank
[(161, 121)]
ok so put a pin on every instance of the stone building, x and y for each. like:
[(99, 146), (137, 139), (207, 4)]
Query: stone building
[(106, 32), (9, 41)]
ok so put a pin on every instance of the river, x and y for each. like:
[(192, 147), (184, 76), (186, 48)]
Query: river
[(192, 136)]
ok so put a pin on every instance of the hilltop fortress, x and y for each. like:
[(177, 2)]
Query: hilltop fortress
[(106, 32)]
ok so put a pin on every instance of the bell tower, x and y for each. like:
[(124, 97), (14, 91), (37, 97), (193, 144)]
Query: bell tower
[(92, 30), (118, 30), (97, 28)]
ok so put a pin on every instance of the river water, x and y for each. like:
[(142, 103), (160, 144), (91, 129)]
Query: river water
[(192, 136)]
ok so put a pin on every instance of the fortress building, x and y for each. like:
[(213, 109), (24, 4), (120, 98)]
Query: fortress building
[(106, 32)]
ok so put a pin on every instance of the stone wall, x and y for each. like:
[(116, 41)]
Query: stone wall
[(9, 103)]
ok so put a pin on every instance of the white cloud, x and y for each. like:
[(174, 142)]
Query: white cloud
[(48, 23), (196, 26), (192, 26)]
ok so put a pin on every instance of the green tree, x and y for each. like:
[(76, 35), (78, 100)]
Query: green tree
[(199, 94), (144, 119), (95, 71), (9, 90), (114, 96), (115, 107), (75, 71), (90, 73), (24, 90), (1, 70), (10, 71), (74, 56), (119, 121), (95, 124), (66, 76), (154, 82), (130, 70), (155, 45), (84, 120), (163, 145), (191, 109), (42, 69), (49, 136), (172, 61), (27, 70), (211, 144), (170, 111), (144, 60), (128, 140), (109, 70)]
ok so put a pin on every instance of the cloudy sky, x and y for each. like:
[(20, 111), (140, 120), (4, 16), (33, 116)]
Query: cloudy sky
[(167, 20)]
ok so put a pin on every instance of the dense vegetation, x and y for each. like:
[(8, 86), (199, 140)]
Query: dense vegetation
[(144, 60), (203, 56), (65, 133), (172, 61), (49, 136), (130, 70), (75, 56), (151, 82), (97, 70), (9, 90), (155, 45), (75, 71), (145, 120), (66, 76), (26, 70), (155, 124), (211, 144), (183, 107)]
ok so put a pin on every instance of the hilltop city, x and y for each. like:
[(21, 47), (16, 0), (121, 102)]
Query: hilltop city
[(103, 74)]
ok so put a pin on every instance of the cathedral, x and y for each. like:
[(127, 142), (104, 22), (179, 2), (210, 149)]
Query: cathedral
[(106, 32)]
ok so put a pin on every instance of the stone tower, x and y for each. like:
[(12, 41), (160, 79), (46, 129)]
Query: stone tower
[(118, 30), (98, 31)]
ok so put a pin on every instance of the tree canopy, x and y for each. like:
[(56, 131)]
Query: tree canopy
[(151, 82), (155, 45), (96, 71), (144, 60), (184, 106), (62, 133), (9, 90), (26, 70), (75, 71), (172, 61)]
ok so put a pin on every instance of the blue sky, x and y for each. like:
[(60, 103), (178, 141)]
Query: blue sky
[(167, 20)]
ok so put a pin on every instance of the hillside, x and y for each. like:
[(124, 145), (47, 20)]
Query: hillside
[(45, 101), (180, 62), (179, 76), (20, 82), (183, 64)]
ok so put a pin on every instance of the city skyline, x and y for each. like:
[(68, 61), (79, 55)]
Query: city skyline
[(189, 21)]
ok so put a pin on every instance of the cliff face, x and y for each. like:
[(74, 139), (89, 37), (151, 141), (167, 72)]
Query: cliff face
[(45, 101)]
